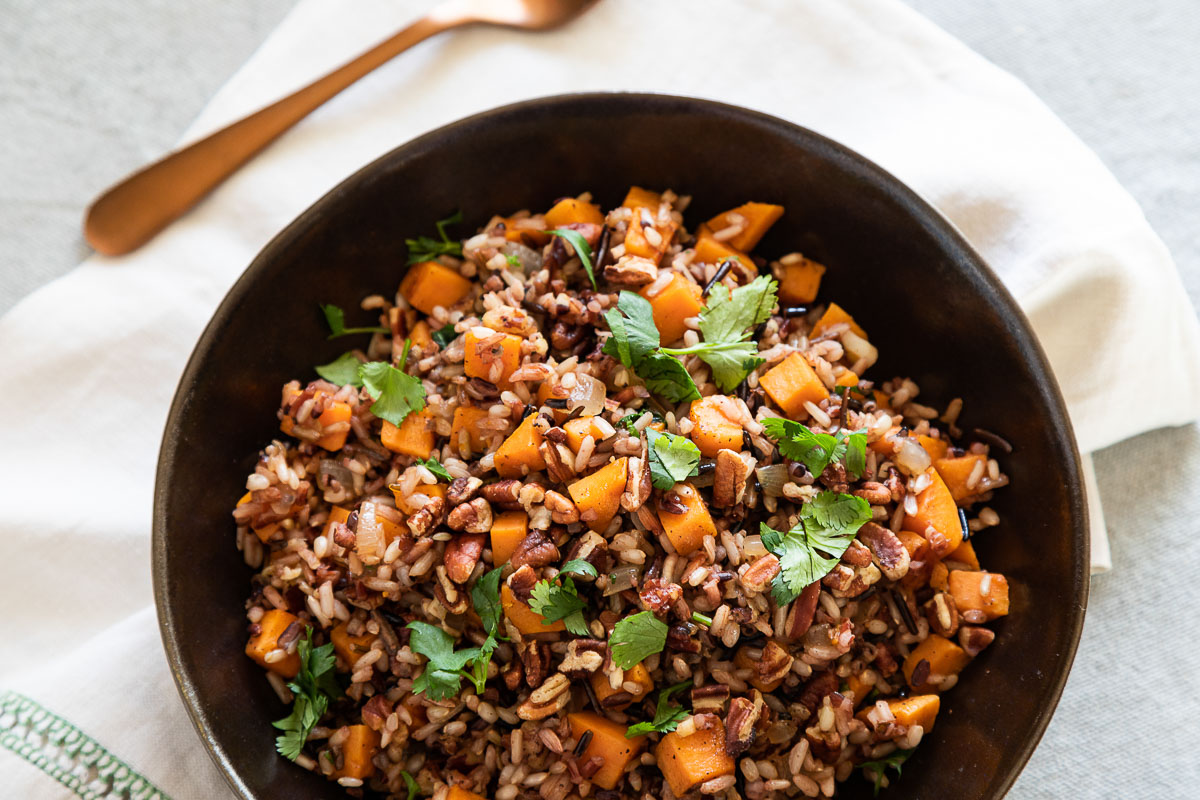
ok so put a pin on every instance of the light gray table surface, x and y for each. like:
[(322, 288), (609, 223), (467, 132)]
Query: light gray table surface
[(90, 91)]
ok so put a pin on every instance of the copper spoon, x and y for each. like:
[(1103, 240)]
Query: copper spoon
[(129, 214)]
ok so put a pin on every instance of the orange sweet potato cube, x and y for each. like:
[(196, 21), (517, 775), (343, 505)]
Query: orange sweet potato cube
[(519, 455), (508, 529), (791, 383), (944, 656), (676, 302), (598, 496), (687, 530), (756, 219), (491, 356), (273, 623), (800, 281), (688, 761), (412, 437), (608, 743), (980, 591), (713, 428), (429, 284)]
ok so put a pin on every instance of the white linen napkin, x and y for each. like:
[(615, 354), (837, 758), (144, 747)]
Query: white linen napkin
[(91, 361)]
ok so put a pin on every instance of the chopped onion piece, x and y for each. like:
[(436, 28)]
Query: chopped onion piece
[(911, 458), (587, 393), (368, 536), (620, 579), (772, 479)]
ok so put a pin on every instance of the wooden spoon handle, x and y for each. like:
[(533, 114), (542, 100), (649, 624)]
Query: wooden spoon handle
[(129, 214)]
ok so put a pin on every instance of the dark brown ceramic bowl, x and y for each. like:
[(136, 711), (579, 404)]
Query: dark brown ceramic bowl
[(934, 309)]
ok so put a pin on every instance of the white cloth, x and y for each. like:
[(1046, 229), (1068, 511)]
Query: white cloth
[(91, 361)]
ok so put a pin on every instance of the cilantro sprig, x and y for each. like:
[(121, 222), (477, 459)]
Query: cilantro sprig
[(396, 393), (313, 687), (425, 248), (672, 458), (667, 715), (726, 325), (558, 600), (434, 466), (636, 638), (410, 783), (335, 318), (580, 246), (815, 544), (879, 768), (816, 451), (444, 335), (443, 674), (635, 342)]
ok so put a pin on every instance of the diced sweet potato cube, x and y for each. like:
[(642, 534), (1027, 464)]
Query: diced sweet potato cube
[(676, 302), (687, 530), (421, 335), (956, 472), (637, 197), (713, 426), (791, 383), (466, 420), (580, 428), (266, 531), (639, 243), (936, 518), (350, 648), (833, 315), (935, 447), (603, 689), (458, 793), (552, 390), (847, 378), (915, 544), (598, 496), (939, 577), (860, 689), (429, 284), (980, 591), (608, 744), (799, 282), (428, 489), (710, 251), (917, 709), (965, 554), (944, 656), (570, 211), (523, 617), (688, 761), (484, 351), (273, 623), (529, 231), (413, 437), (508, 529), (360, 746), (338, 412), (757, 218), (518, 455)]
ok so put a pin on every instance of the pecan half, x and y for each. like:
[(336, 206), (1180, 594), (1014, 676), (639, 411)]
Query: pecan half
[(562, 510), (942, 613), (638, 485), (462, 490), (709, 697), (739, 724), (874, 493), (974, 640), (800, 614), (560, 465), (583, 657), (631, 271), (548, 699), (756, 578), (428, 517), (449, 595), (522, 582), (774, 664), (472, 517), (592, 548), (535, 658), (535, 550), (503, 493), (658, 595), (887, 551), (462, 554), (729, 479)]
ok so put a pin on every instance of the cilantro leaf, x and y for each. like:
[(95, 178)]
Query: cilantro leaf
[(343, 371), (627, 421), (444, 672), (560, 601), (335, 318), (414, 789), (814, 546), (667, 377), (485, 596), (512, 260), (313, 687), (726, 323), (667, 715), (635, 335), (434, 466), (581, 247), (635, 638), (425, 248), (445, 335), (879, 768), (672, 458), (396, 393), (816, 451), (579, 567)]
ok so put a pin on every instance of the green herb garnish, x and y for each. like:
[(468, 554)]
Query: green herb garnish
[(443, 674), (313, 688), (434, 466), (424, 248), (879, 768), (343, 371), (814, 546), (396, 394), (558, 600), (414, 789), (635, 344), (667, 716), (336, 319), (701, 619), (512, 260), (444, 335), (581, 248), (672, 458), (636, 638), (816, 451), (579, 567)]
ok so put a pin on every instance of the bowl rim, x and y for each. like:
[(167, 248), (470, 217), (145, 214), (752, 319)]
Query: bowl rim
[(925, 213)]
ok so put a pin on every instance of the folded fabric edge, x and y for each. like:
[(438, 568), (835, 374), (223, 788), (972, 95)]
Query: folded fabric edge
[(67, 754), (1101, 554)]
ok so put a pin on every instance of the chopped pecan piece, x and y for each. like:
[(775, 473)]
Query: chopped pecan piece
[(375, 712), (638, 485), (974, 640), (631, 271), (672, 503), (709, 697), (565, 335), (462, 490), (560, 462), (658, 595), (887, 551), (562, 510), (449, 595), (535, 550), (514, 676), (428, 517), (774, 664), (522, 582), (535, 658), (503, 493), (473, 517), (548, 699), (874, 493), (729, 479), (817, 688), (679, 637), (650, 520), (847, 581), (592, 548), (942, 613), (756, 578), (885, 659), (857, 554), (739, 724), (462, 554), (583, 657)]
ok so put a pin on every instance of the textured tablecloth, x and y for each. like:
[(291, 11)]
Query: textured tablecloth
[(81, 107)]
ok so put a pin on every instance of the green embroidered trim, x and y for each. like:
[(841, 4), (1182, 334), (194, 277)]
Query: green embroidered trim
[(67, 754)]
